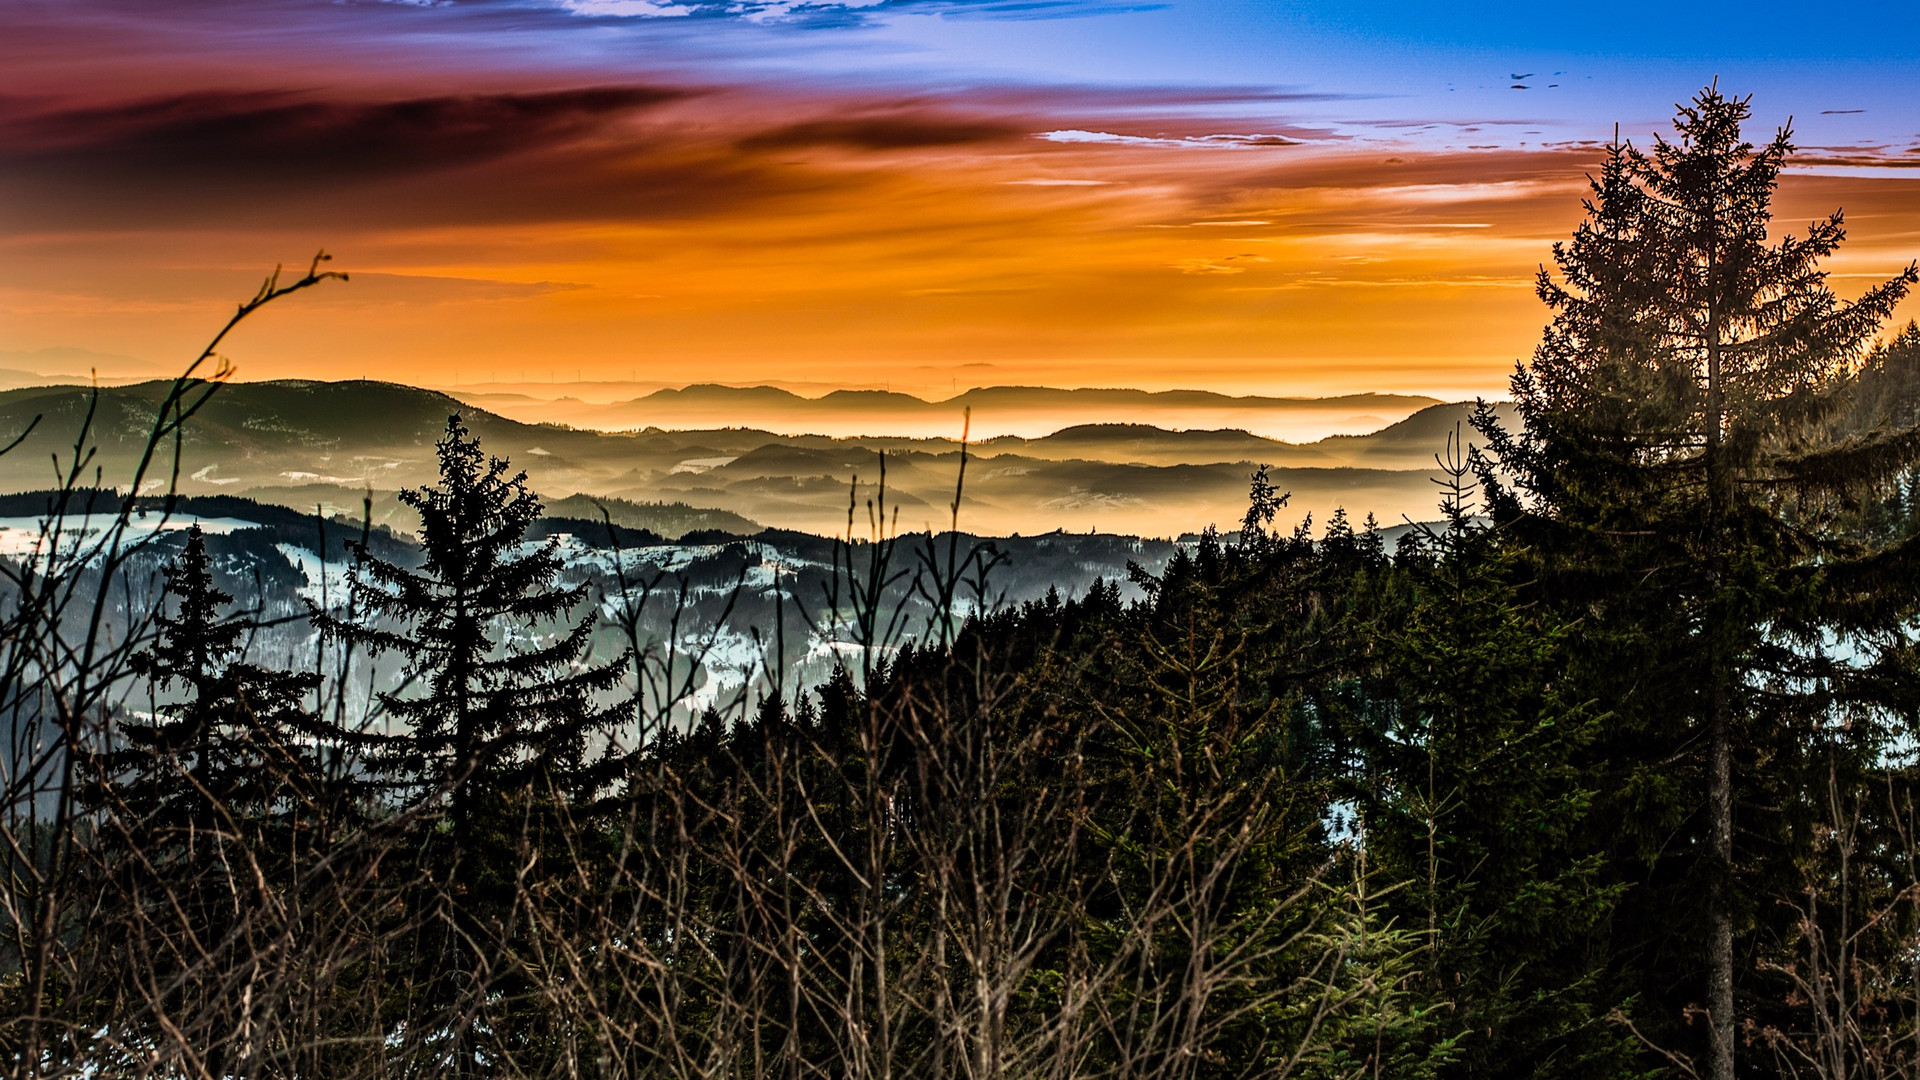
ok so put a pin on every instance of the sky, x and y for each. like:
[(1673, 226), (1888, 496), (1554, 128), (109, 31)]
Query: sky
[(1251, 196)]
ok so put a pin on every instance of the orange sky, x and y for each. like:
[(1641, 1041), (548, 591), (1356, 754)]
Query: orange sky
[(804, 231)]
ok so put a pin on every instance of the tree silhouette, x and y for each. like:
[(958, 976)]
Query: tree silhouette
[(1675, 462), (237, 752), (209, 807), (501, 727)]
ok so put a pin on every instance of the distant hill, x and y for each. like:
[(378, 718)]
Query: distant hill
[(1027, 411), (354, 433), (670, 520), (1144, 444), (1412, 442), (329, 447)]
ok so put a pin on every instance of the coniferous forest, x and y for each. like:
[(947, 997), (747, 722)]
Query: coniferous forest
[(1609, 771)]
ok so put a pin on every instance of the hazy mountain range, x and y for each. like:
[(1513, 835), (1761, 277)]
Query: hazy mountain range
[(1027, 411), (328, 444)]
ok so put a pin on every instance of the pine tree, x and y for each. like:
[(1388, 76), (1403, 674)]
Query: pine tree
[(210, 811), (503, 730), (1479, 796), (500, 707), (1674, 466), (237, 753)]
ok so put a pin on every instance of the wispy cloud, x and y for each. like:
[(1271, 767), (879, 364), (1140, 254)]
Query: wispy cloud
[(814, 14), (1076, 135), (629, 9), (1231, 264), (293, 156), (281, 135)]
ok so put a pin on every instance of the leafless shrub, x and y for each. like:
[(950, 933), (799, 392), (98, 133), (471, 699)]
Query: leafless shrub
[(943, 862), (1853, 967)]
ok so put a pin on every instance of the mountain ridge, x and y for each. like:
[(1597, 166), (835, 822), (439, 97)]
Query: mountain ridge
[(989, 412), (309, 443), (727, 392)]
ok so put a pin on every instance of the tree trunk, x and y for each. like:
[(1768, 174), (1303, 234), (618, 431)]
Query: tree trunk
[(1720, 1018), (1720, 917)]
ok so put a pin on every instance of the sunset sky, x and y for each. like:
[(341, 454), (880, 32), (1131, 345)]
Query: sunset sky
[(1251, 196)]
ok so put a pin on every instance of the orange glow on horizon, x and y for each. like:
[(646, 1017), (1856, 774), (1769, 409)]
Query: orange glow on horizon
[(924, 250)]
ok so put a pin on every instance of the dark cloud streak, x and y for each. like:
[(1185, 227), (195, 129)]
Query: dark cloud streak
[(281, 156), (901, 132), (273, 136), (603, 153)]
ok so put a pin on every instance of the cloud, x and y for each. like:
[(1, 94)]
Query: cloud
[(662, 152), (389, 288), (1077, 135), (273, 134), (1158, 96), (1864, 158), (816, 14), (622, 152), (288, 157), (1232, 264), (905, 131), (628, 9)]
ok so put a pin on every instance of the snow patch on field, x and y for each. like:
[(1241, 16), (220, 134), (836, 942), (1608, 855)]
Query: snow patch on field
[(843, 651), (25, 535), (323, 578), (730, 659)]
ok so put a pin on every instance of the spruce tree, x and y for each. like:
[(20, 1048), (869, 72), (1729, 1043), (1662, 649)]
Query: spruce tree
[(502, 730), (210, 808), (498, 706), (236, 753), (1676, 470), (1479, 795)]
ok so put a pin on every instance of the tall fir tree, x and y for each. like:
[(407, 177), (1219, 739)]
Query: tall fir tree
[(212, 810), (1676, 470), (228, 745), (499, 706), (504, 732)]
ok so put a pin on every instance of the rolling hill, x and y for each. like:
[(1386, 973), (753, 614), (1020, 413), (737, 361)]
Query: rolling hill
[(992, 412), (331, 445)]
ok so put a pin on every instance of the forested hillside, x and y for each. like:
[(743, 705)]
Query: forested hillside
[(1607, 772)]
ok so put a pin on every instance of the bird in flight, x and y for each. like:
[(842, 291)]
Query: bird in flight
[(1517, 78)]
